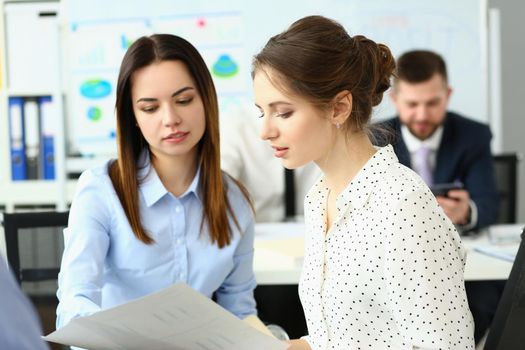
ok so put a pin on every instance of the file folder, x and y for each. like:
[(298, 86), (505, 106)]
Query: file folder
[(32, 138), (48, 120), (16, 133)]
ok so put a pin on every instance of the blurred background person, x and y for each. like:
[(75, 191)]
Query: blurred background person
[(19, 326), (277, 193)]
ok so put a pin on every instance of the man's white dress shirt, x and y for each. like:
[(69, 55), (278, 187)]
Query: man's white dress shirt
[(251, 161)]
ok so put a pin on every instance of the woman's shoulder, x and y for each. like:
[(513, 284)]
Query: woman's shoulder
[(97, 176), (94, 195), (400, 182)]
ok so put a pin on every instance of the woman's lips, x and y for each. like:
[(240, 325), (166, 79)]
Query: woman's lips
[(176, 137), (280, 152)]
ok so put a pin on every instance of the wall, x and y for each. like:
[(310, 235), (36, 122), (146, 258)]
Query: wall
[(513, 85)]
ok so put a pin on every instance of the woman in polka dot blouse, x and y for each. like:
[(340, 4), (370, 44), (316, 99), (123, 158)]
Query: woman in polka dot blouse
[(383, 265)]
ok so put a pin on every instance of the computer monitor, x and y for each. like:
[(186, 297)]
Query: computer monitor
[(507, 331)]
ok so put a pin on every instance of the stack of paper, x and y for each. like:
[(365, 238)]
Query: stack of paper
[(176, 318), (505, 233)]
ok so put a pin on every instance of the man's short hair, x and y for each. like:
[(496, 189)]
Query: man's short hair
[(420, 65)]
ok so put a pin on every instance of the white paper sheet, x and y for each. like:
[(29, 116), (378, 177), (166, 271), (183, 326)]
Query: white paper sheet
[(505, 233), (505, 252), (176, 318)]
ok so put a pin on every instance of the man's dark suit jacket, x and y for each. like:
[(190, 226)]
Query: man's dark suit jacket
[(464, 154)]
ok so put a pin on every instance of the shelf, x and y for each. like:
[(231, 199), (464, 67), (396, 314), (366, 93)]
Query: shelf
[(33, 192), (28, 93), (79, 164)]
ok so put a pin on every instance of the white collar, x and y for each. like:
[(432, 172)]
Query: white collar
[(152, 187), (413, 143)]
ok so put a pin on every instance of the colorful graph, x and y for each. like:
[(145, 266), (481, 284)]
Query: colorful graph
[(225, 67), (94, 114), (125, 42), (95, 88)]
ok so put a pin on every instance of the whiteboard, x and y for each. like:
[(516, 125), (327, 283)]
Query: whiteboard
[(98, 33)]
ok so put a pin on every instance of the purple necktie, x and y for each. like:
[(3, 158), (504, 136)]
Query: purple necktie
[(423, 161)]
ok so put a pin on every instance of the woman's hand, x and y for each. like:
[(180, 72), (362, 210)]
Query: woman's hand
[(299, 344)]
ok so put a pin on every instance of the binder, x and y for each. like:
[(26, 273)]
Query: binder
[(48, 120), (32, 138), (16, 133)]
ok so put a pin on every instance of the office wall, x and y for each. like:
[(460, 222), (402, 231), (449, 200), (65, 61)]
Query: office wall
[(513, 84), (230, 33)]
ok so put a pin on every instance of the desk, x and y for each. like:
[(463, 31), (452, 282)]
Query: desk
[(482, 267), (274, 268)]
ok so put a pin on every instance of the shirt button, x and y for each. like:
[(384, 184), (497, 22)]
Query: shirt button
[(178, 209), (178, 241)]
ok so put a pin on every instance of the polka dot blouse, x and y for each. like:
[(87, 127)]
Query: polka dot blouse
[(389, 272)]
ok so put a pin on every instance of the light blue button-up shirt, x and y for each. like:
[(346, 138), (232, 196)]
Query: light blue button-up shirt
[(105, 265)]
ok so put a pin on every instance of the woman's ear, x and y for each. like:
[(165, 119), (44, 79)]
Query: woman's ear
[(342, 107)]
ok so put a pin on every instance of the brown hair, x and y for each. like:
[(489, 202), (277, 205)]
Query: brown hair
[(131, 142), (420, 65), (316, 58)]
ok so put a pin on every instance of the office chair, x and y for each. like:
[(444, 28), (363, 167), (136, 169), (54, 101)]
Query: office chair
[(279, 304), (506, 169), (506, 331), (14, 225)]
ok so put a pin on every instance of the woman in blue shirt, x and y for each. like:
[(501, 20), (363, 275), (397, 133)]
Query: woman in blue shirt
[(163, 212)]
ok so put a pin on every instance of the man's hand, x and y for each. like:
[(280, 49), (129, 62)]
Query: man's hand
[(456, 206)]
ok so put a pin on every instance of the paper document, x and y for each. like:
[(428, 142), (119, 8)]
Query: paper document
[(176, 318), (256, 323), (505, 233), (505, 252)]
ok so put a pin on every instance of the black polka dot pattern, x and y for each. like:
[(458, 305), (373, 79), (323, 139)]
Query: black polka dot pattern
[(389, 272)]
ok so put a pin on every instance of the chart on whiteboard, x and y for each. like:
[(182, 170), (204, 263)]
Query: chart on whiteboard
[(228, 34), (98, 46)]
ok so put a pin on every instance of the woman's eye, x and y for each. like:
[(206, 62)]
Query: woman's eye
[(185, 101), (284, 115), (149, 109)]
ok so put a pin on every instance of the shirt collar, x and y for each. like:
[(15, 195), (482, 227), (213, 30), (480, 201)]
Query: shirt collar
[(356, 194), (151, 186), (364, 183), (413, 143)]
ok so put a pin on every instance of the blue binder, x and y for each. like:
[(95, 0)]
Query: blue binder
[(16, 138), (32, 138), (48, 120)]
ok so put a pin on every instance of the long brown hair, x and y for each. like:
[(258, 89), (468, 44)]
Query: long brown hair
[(131, 142), (316, 58)]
